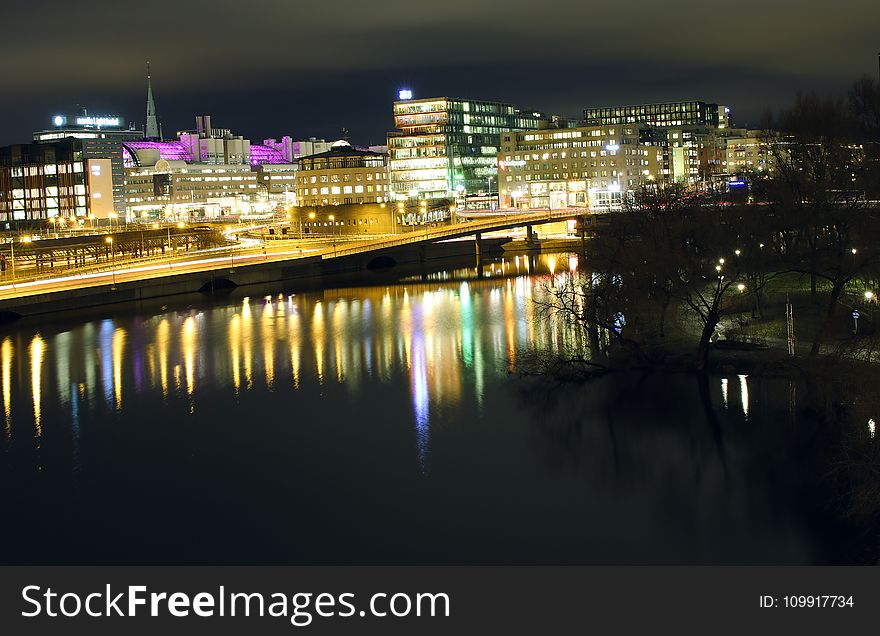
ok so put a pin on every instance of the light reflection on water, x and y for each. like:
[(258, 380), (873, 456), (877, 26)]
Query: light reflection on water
[(386, 409), (436, 329)]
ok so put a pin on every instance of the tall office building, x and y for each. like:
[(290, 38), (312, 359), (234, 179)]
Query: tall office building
[(689, 113), (447, 147), (53, 179), (101, 137)]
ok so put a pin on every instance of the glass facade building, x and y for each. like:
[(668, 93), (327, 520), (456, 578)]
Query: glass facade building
[(101, 138), (53, 179), (670, 114), (448, 147)]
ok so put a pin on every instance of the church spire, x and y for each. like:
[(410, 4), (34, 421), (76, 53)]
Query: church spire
[(151, 128)]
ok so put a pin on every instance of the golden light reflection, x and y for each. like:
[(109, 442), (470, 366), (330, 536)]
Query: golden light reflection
[(338, 317), (318, 339), (293, 340), (188, 339), (163, 339), (267, 334), (37, 350), (118, 350), (6, 355), (445, 337), (247, 326), (235, 350)]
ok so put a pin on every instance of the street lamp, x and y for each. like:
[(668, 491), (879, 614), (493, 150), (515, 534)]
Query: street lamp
[(109, 240), (24, 239), (332, 224), (489, 193)]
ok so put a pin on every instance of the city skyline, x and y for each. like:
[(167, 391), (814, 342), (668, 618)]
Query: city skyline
[(303, 76)]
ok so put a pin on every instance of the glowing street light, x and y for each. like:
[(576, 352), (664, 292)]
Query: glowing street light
[(869, 296), (24, 239), (109, 240)]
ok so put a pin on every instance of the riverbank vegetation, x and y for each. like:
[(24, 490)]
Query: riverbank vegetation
[(796, 267), (784, 284)]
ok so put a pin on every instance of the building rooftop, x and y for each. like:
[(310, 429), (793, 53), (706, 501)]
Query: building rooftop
[(344, 151), (177, 151), (265, 154)]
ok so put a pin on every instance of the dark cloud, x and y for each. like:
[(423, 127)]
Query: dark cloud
[(266, 67)]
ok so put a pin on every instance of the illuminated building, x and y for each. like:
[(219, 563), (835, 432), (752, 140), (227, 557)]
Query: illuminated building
[(747, 153), (53, 179), (578, 167), (696, 154), (310, 146), (343, 175), (206, 172), (342, 219), (101, 137), (447, 147), (688, 113)]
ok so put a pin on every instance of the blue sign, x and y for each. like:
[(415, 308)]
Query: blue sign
[(856, 314)]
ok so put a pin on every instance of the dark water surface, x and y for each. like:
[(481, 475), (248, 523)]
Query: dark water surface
[(382, 425)]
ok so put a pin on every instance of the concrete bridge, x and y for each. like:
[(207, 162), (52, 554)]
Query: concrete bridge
[(229, 270), (478, 225)]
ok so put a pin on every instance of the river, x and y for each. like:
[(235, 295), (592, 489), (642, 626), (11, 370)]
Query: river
[(383, 425)]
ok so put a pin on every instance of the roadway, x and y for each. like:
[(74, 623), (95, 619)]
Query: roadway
[(250, 253)]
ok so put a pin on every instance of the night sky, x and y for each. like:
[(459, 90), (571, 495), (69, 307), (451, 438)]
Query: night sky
[(266, 68)]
